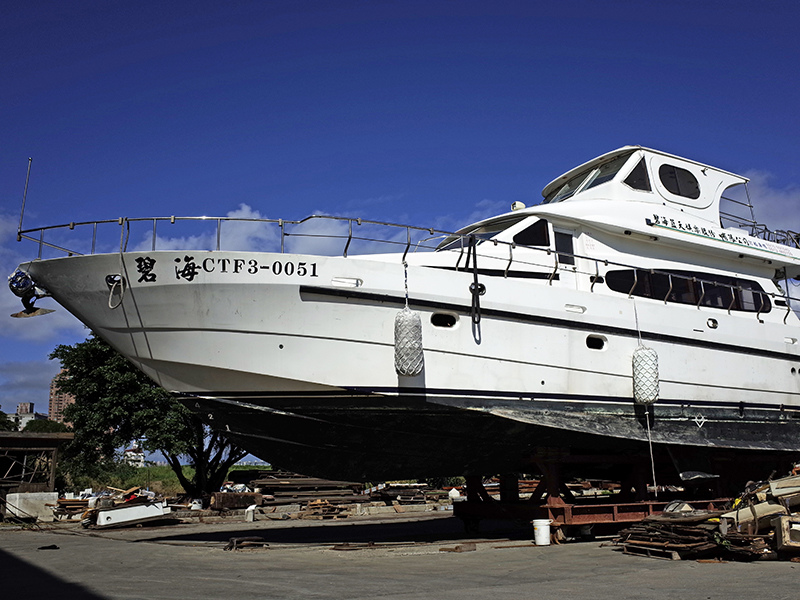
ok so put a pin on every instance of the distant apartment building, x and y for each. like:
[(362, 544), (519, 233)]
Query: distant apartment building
[(25, 408), (58, 400), (26, 414)]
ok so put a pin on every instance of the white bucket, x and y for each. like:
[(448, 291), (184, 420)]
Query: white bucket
[(541, 532)]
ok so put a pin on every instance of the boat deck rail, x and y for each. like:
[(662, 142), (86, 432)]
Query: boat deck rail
[(730, 218), (368, 236)]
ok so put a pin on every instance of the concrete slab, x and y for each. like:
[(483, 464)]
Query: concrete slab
[(404, 562), (32, 504)]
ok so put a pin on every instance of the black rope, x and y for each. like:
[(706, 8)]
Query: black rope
[(476, 288)]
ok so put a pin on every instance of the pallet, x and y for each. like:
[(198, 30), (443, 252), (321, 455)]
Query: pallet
[(651, 552)]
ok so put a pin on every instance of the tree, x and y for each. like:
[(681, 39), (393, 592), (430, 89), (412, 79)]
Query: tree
[(7, 424), (45, 426), (115, 404)]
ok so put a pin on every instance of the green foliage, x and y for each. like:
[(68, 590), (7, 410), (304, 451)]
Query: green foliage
[(45, 426), (7, 424), (159, 478), (438, 483), (115, 404)]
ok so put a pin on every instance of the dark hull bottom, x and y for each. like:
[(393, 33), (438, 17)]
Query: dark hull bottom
[(376, 438)]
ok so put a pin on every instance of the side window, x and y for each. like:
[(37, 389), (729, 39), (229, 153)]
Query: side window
[(638, 178), (679, 181), (534, 235), (564, 247), (685, 287)]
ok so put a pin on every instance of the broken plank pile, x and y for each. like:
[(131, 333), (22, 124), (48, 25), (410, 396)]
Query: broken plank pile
[(656, 537), (282, 487), (321, 509), (400, 493), (762, 524), (69, 507), (234, 500)]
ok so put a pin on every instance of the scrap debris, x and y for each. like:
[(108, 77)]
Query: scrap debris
[(119, 508), (321, 509), (466, 547), (237, 543), (762, 524)]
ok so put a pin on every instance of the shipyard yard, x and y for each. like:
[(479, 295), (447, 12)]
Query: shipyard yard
[(409, 557), (376, 306)]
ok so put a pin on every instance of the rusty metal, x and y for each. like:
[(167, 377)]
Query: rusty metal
[(566, 515)]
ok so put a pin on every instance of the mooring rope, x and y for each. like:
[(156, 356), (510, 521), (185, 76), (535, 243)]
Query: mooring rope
[(646, 408), (476, 288)]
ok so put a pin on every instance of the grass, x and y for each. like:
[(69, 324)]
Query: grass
[(158, 478)]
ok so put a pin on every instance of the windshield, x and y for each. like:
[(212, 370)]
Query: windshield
[(587, 179), (482, 232)]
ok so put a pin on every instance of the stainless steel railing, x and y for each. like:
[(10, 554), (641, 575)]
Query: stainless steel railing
[(372, 235)]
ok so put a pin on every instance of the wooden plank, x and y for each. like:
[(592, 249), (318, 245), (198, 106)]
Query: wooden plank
[(650, 552)]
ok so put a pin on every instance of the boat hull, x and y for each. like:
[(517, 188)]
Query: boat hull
[(299, 368), (375, 437)]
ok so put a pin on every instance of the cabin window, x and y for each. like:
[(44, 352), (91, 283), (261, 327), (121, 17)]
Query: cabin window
[(566, 190), (686, 287), (482, 232), (589, 178), (638, 178), (606, 172), (534, 235), (564, 248), (679, 181)]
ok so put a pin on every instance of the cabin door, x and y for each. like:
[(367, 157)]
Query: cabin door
[(564, 246)]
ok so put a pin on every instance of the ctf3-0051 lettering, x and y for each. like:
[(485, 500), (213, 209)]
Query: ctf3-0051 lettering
[(187, 268)]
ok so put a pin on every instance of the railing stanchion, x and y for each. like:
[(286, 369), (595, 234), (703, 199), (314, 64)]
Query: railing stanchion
[(408, 243), (349, 237)]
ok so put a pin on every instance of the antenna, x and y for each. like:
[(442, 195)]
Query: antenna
[(24, 195)]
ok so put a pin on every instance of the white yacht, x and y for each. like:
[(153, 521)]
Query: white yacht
[(631, 310)]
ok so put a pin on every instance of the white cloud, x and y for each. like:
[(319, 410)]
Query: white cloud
[(481, 210), (778, 208), (249, 235), (328, 236), (203, 241), (323, 236), (242, 235)]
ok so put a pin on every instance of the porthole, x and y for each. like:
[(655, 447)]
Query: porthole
[(712, 323), (444, 320), (595, 342)]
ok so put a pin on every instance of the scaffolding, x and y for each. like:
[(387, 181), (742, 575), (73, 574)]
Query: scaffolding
[(28, 461)]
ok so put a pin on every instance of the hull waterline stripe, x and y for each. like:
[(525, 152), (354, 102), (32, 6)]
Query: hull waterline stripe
[(540, 320), (422, 394)]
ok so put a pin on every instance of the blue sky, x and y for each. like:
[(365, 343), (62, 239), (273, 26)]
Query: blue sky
[(431, 113)]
